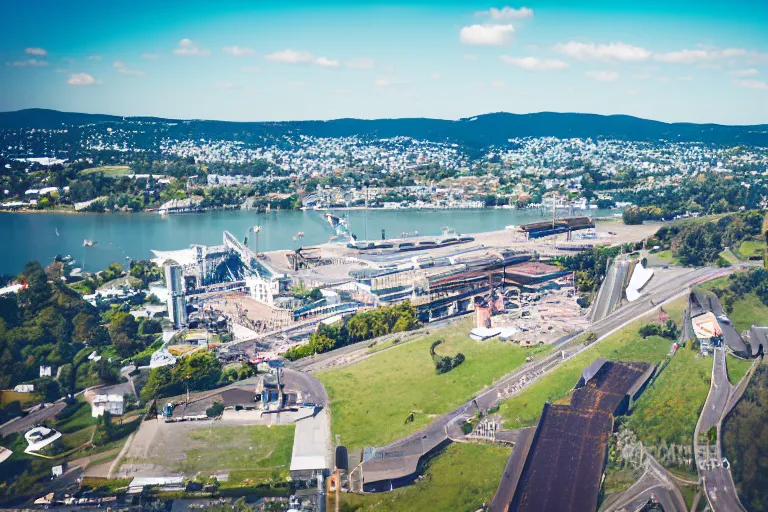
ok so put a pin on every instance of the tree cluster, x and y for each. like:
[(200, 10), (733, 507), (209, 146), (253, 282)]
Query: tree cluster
[(444, 364), (360, 327), (745, 439), (669, 330), (196, 372)]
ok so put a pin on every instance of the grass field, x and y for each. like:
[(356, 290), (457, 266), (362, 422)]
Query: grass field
[(729, 256), (750, 248), (669, 409), (109, 171), (265, 452), (624, 345), (460, 479), (737, 369), (7, 397), (371, 400)]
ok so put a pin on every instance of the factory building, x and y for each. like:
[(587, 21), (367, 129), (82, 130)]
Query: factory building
[(177, 306)]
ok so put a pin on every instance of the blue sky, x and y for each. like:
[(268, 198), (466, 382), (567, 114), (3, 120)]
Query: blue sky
[(672, 60)]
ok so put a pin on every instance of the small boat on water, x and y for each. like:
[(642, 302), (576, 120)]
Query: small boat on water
[(299, 235), (57, 231), (88, 243)]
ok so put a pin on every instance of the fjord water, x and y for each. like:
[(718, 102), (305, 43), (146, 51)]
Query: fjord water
[(32, 236)]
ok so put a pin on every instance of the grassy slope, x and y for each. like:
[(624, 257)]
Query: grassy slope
[(668, 410), (624, 345), (737, 368), (461, 478), (260, 450), (371, 400), (747, 311), (751, 248), (8, 396)]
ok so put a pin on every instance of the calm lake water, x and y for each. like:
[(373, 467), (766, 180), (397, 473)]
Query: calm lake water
[(30, 236)]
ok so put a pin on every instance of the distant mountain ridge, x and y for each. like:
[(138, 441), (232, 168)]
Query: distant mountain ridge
[(478, 132)]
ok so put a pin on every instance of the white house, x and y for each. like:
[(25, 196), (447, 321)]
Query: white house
[(112, 403), (25, 388), (45, 371)]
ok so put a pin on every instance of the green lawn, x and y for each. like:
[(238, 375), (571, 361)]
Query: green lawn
[(747, 312), (750, 248), (109, 171), (7, 397), (371, 400), (461, 478), (626, 344), (259, 449), (729, 256), (737, 368), (669, 409)]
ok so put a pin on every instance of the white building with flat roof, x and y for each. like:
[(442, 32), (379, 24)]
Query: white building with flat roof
[(112, 403)]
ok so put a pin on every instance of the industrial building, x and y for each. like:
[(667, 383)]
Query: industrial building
[(566, 457), (113, 404)]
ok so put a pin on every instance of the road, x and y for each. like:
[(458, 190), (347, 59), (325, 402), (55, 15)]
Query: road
[(655, 484), (718, 482), (32, 419), (399, 459)]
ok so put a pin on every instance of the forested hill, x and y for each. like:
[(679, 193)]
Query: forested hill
[(478, 132)]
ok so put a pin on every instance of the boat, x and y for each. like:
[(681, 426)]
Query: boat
[(57, 231), (299, 235), (88, 243)]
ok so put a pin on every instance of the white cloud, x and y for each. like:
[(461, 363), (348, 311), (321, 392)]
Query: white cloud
[(507, 13), (94, 57), (435, 76), (150, 56), (327, 63), (687, 56), (383, 81), (605, 52), (603, 76), (682, 57), (469, 56), (745, 72), (120, 66), (250, 69), (81, 79), (188, 47), (32, 63), (534, 63), (359, 63), (289, 56), (40, 52), (238, 51), (498, 84), (487, 35), (223, 85), (751, 84)]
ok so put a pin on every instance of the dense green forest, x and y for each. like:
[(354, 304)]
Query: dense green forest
[(699, 242), (745, 441)]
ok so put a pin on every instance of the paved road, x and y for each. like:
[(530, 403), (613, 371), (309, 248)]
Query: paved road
[(312, 389), (656, 484), (718, 483), (32, 419)]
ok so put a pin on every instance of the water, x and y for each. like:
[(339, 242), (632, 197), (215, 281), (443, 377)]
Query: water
[(32, 236)]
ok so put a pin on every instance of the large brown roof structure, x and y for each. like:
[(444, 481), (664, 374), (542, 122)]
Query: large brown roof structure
[(565, 463)]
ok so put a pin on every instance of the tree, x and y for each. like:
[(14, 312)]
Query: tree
[(215, 410), (632, 215), (123, 330)]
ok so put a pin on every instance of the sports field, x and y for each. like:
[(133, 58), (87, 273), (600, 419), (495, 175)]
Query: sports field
[(109, 171)]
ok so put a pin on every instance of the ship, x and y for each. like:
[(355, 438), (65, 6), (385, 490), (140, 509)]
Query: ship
[(88, 243)]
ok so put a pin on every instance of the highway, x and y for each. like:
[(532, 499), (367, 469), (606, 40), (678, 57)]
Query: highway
[(400, 458), (718, 483)]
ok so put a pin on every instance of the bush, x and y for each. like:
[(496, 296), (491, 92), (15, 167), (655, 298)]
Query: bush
[(215, 410)]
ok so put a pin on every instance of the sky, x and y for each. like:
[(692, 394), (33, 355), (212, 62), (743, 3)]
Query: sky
[(669, 60)]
